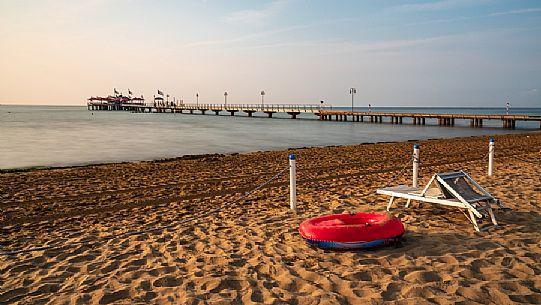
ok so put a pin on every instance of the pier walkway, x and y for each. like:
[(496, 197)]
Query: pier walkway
[(325, 113)]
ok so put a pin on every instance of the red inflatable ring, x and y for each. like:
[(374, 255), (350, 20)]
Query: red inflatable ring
[(350, 231)]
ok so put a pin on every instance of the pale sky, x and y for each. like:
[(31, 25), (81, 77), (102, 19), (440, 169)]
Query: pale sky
[(396, 53)]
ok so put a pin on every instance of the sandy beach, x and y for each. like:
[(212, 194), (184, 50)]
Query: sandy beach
[(175, 232)]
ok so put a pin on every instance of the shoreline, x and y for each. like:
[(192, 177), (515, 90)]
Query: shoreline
[(200, 156), (175, 230)]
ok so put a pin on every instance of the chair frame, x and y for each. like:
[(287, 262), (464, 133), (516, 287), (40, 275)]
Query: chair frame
[(476, 208)]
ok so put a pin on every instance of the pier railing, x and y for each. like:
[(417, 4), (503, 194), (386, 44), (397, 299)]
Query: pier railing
[(249, 107)]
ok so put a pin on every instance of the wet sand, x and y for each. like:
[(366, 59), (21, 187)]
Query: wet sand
[(174, 231)]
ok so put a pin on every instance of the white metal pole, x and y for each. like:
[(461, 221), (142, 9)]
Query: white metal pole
[(416, 154), (292, 183), (490, 157)]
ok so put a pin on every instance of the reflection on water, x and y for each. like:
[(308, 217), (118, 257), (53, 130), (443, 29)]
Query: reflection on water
[(57, 136)]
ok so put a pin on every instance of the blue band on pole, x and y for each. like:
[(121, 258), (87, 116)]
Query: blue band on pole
[(491, 140), (416, 146), (292, 157)]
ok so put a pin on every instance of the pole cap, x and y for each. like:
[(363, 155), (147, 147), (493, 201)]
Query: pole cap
[(292, 157), (491, 140), (416, 146)]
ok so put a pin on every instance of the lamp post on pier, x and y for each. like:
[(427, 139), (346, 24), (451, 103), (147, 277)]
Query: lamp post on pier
[(352, 91), (225, 98), (262, 100), (197, 99)]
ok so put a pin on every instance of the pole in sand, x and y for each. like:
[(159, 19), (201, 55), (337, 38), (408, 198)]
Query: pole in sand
[(490, 157), (292, 183), (416, 154)]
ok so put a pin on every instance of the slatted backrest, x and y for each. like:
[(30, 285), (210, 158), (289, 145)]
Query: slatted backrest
[(444, 191), (466, 190), (448, 178), (462, 185)]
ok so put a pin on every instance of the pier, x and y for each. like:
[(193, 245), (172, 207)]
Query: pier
[(269, 109), (443, 119), (325, 113)]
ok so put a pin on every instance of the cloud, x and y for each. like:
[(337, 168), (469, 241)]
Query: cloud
[(345, 47), (533, 91), (340, 47), (376, 46), (464, 18), (268, 33), (516, 12), (255, 16), (438, 5), (247, 37)]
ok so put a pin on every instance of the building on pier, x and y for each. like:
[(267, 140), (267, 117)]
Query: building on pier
[(114, 102)]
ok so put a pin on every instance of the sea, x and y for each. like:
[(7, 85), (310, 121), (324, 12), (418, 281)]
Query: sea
[(56, 136)]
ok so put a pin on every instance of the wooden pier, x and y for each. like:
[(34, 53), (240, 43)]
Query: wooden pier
[(443, 119), (325, 113), (269, 109)]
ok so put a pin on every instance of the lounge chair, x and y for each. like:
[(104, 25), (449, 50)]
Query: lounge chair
[(456, 189)]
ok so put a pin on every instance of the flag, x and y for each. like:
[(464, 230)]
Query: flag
[(159, 92), (129, 91)]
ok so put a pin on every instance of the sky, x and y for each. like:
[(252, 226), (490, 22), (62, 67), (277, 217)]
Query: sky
[(443, 53)]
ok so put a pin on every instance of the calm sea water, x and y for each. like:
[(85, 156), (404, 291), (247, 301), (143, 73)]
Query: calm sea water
[(61, 136)]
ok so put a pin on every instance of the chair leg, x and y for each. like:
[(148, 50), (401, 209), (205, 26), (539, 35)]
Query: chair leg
[(473, 220), (408, 203), (390, 203), (492, 217)]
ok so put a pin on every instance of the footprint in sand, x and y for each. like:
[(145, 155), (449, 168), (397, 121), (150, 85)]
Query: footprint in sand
[(423, 277), (167, 281), (110, 297)]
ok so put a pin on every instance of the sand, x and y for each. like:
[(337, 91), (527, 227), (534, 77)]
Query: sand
[(174, 231)]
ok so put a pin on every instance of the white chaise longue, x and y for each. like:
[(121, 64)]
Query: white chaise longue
[(456, 189)]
